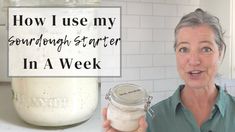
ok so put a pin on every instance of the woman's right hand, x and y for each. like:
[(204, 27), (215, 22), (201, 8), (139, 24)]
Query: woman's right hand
[(107, 127), (106, 124)]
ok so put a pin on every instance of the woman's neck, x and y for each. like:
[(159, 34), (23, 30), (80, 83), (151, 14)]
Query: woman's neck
[(199, 101), (201, 96)]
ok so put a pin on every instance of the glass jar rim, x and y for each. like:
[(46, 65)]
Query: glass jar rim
[(128, 94)]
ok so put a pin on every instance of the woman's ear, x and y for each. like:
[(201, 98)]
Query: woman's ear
[(221, 56), (219, 62)]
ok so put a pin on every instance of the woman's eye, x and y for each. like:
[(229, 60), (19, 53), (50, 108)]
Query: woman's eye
[(183, 50), (206, 49)]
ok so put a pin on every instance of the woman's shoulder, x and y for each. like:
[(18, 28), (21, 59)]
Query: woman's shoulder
[(167, 105), (164, 106), (160, 116), (231, 98)]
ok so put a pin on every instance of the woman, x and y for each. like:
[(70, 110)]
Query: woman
[(199, 105)]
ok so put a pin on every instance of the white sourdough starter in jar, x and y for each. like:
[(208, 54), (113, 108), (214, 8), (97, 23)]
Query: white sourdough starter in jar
[(55, 101), (127, 103)]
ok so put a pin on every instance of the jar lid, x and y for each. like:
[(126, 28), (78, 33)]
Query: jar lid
[(128, 94)]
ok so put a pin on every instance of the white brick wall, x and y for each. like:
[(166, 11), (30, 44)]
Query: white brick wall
[(148, 56), (139, 61), (163, 35), (182, 9), (138, 34), (177, 1), (165, 9), (151, 22), (3, 54), (152, 73), (165, 84), (129, 48), (171, 72), (152, 48), (171, 22), (164, 60), (229, 84), (3, 45), (126, 21), (138, 8), (169, 47), (120, 3)]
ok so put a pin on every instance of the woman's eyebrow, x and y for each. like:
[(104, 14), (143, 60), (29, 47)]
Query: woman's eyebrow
[(180, 43), (201, 42), (183, 42), (205, 41)]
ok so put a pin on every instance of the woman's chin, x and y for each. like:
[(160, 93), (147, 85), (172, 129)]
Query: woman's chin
[(197, 84)]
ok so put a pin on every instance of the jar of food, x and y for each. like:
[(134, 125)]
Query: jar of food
[(55, 101), (127, 103)]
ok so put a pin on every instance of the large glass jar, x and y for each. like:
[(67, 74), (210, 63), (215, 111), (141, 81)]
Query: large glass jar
[(55, 101), (127, 103)]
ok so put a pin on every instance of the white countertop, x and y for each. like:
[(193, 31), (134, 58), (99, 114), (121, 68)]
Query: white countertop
[(10, 121)]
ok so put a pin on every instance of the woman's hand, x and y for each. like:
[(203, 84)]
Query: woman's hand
[(107, 127)]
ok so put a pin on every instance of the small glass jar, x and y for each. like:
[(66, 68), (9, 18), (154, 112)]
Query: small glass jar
[(127, 103)]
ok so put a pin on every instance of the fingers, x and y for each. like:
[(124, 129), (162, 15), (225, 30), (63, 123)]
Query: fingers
[(111, 130), (107, 127), (104, 113), (106, 123), (142, 125)]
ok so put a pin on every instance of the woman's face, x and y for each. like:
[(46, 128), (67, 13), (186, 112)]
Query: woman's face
[(197, 56)]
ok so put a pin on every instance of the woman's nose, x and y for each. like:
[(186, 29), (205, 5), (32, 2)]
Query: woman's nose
[(194, 59)]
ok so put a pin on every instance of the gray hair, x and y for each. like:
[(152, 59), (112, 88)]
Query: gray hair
[(200, 17)]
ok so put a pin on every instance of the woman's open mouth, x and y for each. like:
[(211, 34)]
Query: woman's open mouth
[(195, 74)]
